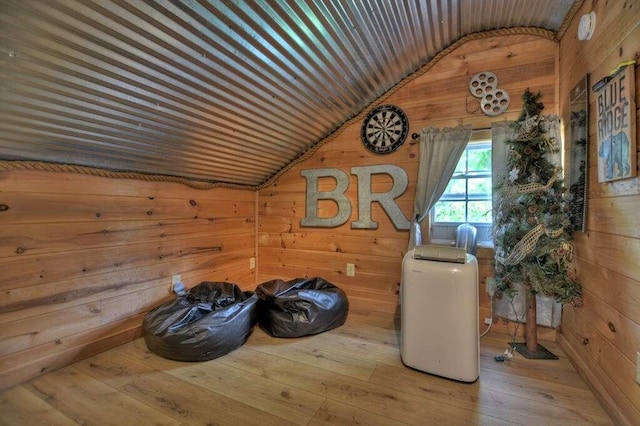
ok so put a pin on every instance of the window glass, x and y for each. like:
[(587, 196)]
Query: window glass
[(479, 187), (479, 160), (456, 187), (450, 211), (467, 198), (479, 211)]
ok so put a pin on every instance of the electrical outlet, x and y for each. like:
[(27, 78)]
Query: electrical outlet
[(638, 368), (175, 279), (488, 321), (351, 270), (252, 263)]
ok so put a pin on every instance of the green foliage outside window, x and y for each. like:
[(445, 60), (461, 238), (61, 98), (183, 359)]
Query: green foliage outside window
[(467, 197)]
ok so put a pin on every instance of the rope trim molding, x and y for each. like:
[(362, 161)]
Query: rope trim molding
[(533, 31), (95, 171), (568, 18)]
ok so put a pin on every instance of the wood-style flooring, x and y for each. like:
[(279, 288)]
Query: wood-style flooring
[(350, 375)]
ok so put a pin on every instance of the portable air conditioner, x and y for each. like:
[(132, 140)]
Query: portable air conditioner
[(439, 312)]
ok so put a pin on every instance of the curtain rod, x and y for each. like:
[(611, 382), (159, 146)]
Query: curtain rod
[(416, 135)]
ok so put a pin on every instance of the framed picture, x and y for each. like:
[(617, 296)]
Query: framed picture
[(616, 126), (578, 154)]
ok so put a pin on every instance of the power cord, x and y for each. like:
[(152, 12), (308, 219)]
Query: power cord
[(508, 353), (491, 323)]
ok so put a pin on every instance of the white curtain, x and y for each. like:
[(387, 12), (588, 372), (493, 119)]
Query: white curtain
[(501, 132), (440, 151)]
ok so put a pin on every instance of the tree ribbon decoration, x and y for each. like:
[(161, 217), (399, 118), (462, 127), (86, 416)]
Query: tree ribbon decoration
[(511, 191), (528, 243)]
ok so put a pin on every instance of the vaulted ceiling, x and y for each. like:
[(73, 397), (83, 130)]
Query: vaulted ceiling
[(217, 90)]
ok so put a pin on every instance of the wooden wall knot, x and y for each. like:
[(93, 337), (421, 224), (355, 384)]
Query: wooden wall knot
[(193, 202), (4, 207), (585, 341), (612, 327)]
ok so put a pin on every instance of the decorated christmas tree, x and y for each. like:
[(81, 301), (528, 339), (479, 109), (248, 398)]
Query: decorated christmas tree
[(531, 222)]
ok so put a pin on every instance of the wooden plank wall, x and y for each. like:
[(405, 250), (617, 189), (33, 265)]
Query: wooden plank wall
[(83, 258), (603, 336), (436, 98)]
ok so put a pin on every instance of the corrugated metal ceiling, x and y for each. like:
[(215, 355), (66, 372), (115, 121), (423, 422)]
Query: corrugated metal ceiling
[(216, 91)]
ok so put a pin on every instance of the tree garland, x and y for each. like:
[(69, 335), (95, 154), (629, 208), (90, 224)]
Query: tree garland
[(511, 191)]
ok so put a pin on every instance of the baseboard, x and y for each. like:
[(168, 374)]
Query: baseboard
[(608, 402), (96, 341)]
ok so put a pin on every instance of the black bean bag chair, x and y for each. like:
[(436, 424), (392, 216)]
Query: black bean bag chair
[(208, 321), (300, 307)]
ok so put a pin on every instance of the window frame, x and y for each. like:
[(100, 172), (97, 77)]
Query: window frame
[(445, 232)]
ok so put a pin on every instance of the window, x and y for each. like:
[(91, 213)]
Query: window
[(467, 198)]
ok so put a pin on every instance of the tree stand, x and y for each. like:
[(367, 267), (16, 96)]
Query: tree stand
[(531, 349)]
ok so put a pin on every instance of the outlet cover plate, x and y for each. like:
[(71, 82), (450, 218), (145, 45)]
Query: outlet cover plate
[(351, 270)]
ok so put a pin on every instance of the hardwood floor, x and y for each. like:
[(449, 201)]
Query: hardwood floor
[(350, 375)]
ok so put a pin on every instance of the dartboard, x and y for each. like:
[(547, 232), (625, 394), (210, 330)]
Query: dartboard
[(384, 129)]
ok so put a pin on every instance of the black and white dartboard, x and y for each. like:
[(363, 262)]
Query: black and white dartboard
[(384, 129)]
